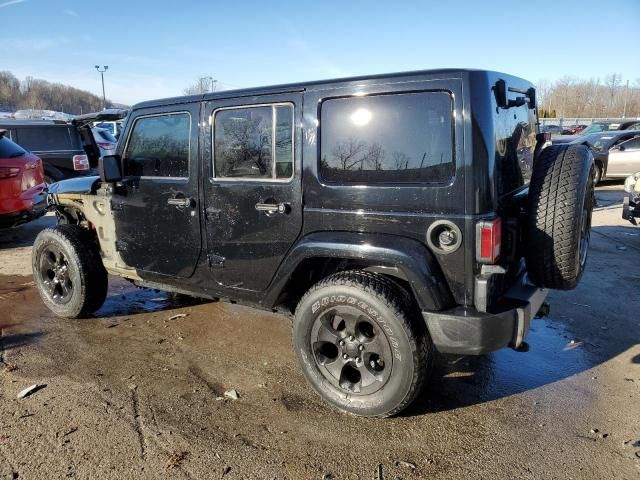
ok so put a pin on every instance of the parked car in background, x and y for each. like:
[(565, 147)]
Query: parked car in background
[(114, 128), (111, 119), (21, 179), (552, 129), (573, 129), (613, 153), (624, 158), (601, 126), (631, 203), (57, 143), (106, 142)]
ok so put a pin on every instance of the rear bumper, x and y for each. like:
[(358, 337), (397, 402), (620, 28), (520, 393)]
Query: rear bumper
[(466, 331), (16, 211)]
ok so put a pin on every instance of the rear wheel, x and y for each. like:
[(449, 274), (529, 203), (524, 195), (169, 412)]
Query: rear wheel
[(68, 271), (361, 344), (558, 231)]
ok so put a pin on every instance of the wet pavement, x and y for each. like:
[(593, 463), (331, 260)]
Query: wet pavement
[(138, 391)]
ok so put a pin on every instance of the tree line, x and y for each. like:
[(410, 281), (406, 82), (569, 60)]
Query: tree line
[(34, 93), (575, 97)]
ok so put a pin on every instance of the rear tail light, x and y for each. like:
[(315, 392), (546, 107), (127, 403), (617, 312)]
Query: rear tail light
[(488, 239), (9, 172), (80, 162)]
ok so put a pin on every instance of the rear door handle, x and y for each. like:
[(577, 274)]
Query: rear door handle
[(273, 208), (180, 202)]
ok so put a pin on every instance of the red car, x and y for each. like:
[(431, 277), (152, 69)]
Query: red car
[(21, 179)]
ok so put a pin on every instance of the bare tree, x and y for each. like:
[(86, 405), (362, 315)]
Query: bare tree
[(401, 160), (202, 85), (347, 153), (375, 156), (39, 94)]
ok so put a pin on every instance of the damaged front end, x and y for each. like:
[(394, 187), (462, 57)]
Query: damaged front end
[(86, 201)]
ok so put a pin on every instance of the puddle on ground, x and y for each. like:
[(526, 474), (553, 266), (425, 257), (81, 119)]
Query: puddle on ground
[(554, 354), (124, 298)]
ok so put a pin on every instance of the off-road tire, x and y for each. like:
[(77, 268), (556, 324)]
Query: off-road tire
[(87, 275), (559, 216), (392, 309)]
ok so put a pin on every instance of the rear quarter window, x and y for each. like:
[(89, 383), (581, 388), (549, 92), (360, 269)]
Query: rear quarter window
[(49, 138), (402, 138)]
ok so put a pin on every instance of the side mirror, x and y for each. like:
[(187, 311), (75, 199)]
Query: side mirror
[(109, 167)]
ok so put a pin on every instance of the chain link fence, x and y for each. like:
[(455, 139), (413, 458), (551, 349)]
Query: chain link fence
[(568, 121)]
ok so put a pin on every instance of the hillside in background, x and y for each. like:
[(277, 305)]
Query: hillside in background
[(33, 93)]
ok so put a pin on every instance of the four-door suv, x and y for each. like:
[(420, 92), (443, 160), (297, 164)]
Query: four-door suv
[(394, 216), (58, 143)]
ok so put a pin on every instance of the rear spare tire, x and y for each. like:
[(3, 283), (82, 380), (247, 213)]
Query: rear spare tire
[(68, 271), (558, 225)]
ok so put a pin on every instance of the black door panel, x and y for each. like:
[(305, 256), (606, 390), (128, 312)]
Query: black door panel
[(252, 222), (156, 208)]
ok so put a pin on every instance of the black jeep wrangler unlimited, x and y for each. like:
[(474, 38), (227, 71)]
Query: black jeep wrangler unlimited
[(394, 216)]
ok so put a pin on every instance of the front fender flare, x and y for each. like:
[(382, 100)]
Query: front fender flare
[(415, 262)]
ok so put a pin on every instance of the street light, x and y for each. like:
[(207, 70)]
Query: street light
[(104, 97), (214, 83)]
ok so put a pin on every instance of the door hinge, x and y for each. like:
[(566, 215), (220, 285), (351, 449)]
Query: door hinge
[(215, 260)]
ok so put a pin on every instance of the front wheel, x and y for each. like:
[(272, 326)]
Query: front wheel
[(361, 344), (68, 271)]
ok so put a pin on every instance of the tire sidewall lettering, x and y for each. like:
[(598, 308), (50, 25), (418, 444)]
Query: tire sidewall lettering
[(330, 300)]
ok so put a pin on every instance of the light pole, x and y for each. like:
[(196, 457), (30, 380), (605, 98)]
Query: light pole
[(104, 97), (214, 83)]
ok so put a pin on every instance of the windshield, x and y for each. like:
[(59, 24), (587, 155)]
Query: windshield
[(8, 149), (600, 127)]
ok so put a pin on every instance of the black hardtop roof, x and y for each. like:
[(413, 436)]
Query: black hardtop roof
[(302, 86)]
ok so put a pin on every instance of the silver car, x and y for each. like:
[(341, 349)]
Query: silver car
[(624, 159)]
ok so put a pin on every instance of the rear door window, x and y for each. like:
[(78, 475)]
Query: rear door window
[(387, 139), (254, 142), (158, 146)]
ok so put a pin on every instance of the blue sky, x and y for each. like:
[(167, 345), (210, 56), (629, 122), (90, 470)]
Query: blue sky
[(157, 48)]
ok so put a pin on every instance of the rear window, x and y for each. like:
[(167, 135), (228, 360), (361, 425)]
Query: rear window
[(396, 139), (49, 138), (8, 149)]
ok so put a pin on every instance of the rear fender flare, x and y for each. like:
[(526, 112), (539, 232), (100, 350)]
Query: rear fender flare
[(397, 256)]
